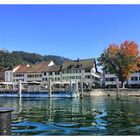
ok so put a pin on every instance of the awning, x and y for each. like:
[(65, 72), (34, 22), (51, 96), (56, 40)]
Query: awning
[(6, 83)]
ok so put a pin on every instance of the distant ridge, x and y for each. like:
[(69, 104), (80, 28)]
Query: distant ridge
[(11, 59)]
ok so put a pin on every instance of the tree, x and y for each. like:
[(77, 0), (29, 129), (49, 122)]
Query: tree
[(121, 60)]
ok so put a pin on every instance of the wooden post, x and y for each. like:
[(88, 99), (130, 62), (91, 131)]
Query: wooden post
[(20, 105), (50, 119), (50, 88), (20, 88), (5, 121), (103, 84), (77, 89), (70, 85), (13, 86), (81, 95), (117, 86)]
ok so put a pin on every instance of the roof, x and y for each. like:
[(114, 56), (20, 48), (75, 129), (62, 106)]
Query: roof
[(52, 68), (79, 64), (22, 68), (39, 67), (43, 66)]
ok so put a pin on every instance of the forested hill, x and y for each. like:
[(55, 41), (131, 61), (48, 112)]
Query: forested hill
[(10, 59)]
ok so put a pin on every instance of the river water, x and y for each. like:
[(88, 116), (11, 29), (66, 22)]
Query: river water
[(74, 116)]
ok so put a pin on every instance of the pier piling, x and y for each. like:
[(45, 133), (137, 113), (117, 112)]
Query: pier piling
[(5, 121), (20, 88), (117, 86), (81, 95), (50, 87)]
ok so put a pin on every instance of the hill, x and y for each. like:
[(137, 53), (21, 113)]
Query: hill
[(11, 59)]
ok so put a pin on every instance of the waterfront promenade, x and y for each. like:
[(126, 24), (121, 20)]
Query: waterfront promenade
[(113, 92), (91, 93)]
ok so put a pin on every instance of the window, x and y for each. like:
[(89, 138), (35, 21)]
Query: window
[(138, 71), (57, 73), (106, 79), (78, 77), (44, 79), (79, 71), (72, 71), (18, 75), (87, 70), (97, 79), (64, 72), (45, 73), (50, 73), (71, 66), (106, 72), (87, 77), (134, 78), (30, 76), (110, 79), (72, 77), (78, 66)]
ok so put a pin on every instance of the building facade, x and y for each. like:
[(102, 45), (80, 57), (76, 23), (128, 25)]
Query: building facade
[(109, 80), (84, 69), (77, 70)]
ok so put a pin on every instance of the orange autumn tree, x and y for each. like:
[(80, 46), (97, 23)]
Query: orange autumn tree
[(121, 60)]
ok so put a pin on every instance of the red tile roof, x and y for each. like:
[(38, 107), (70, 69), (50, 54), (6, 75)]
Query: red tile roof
[(22, 68), (39, 67)]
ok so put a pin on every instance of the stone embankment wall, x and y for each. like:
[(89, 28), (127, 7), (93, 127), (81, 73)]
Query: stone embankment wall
[(113, 92)]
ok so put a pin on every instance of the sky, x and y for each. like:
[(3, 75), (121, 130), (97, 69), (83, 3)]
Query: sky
[(72, 31)]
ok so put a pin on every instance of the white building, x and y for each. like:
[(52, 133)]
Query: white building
[(9, 74), (109, 80), (20, 73), (70, 70), (81, 69)]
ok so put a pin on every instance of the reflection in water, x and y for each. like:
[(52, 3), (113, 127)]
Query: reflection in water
[(72, 116)]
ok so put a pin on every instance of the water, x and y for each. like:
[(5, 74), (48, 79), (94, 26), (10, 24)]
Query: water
[(73, 116)]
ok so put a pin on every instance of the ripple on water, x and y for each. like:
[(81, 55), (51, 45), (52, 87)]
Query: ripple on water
[(66, 124), (30, 127)]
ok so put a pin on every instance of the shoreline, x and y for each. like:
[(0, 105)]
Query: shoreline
[(112, 92), (92, 93)]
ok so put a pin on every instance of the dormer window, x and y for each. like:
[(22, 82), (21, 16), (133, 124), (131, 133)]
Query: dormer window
[(78, 66), (87, 70), (71, 66)]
